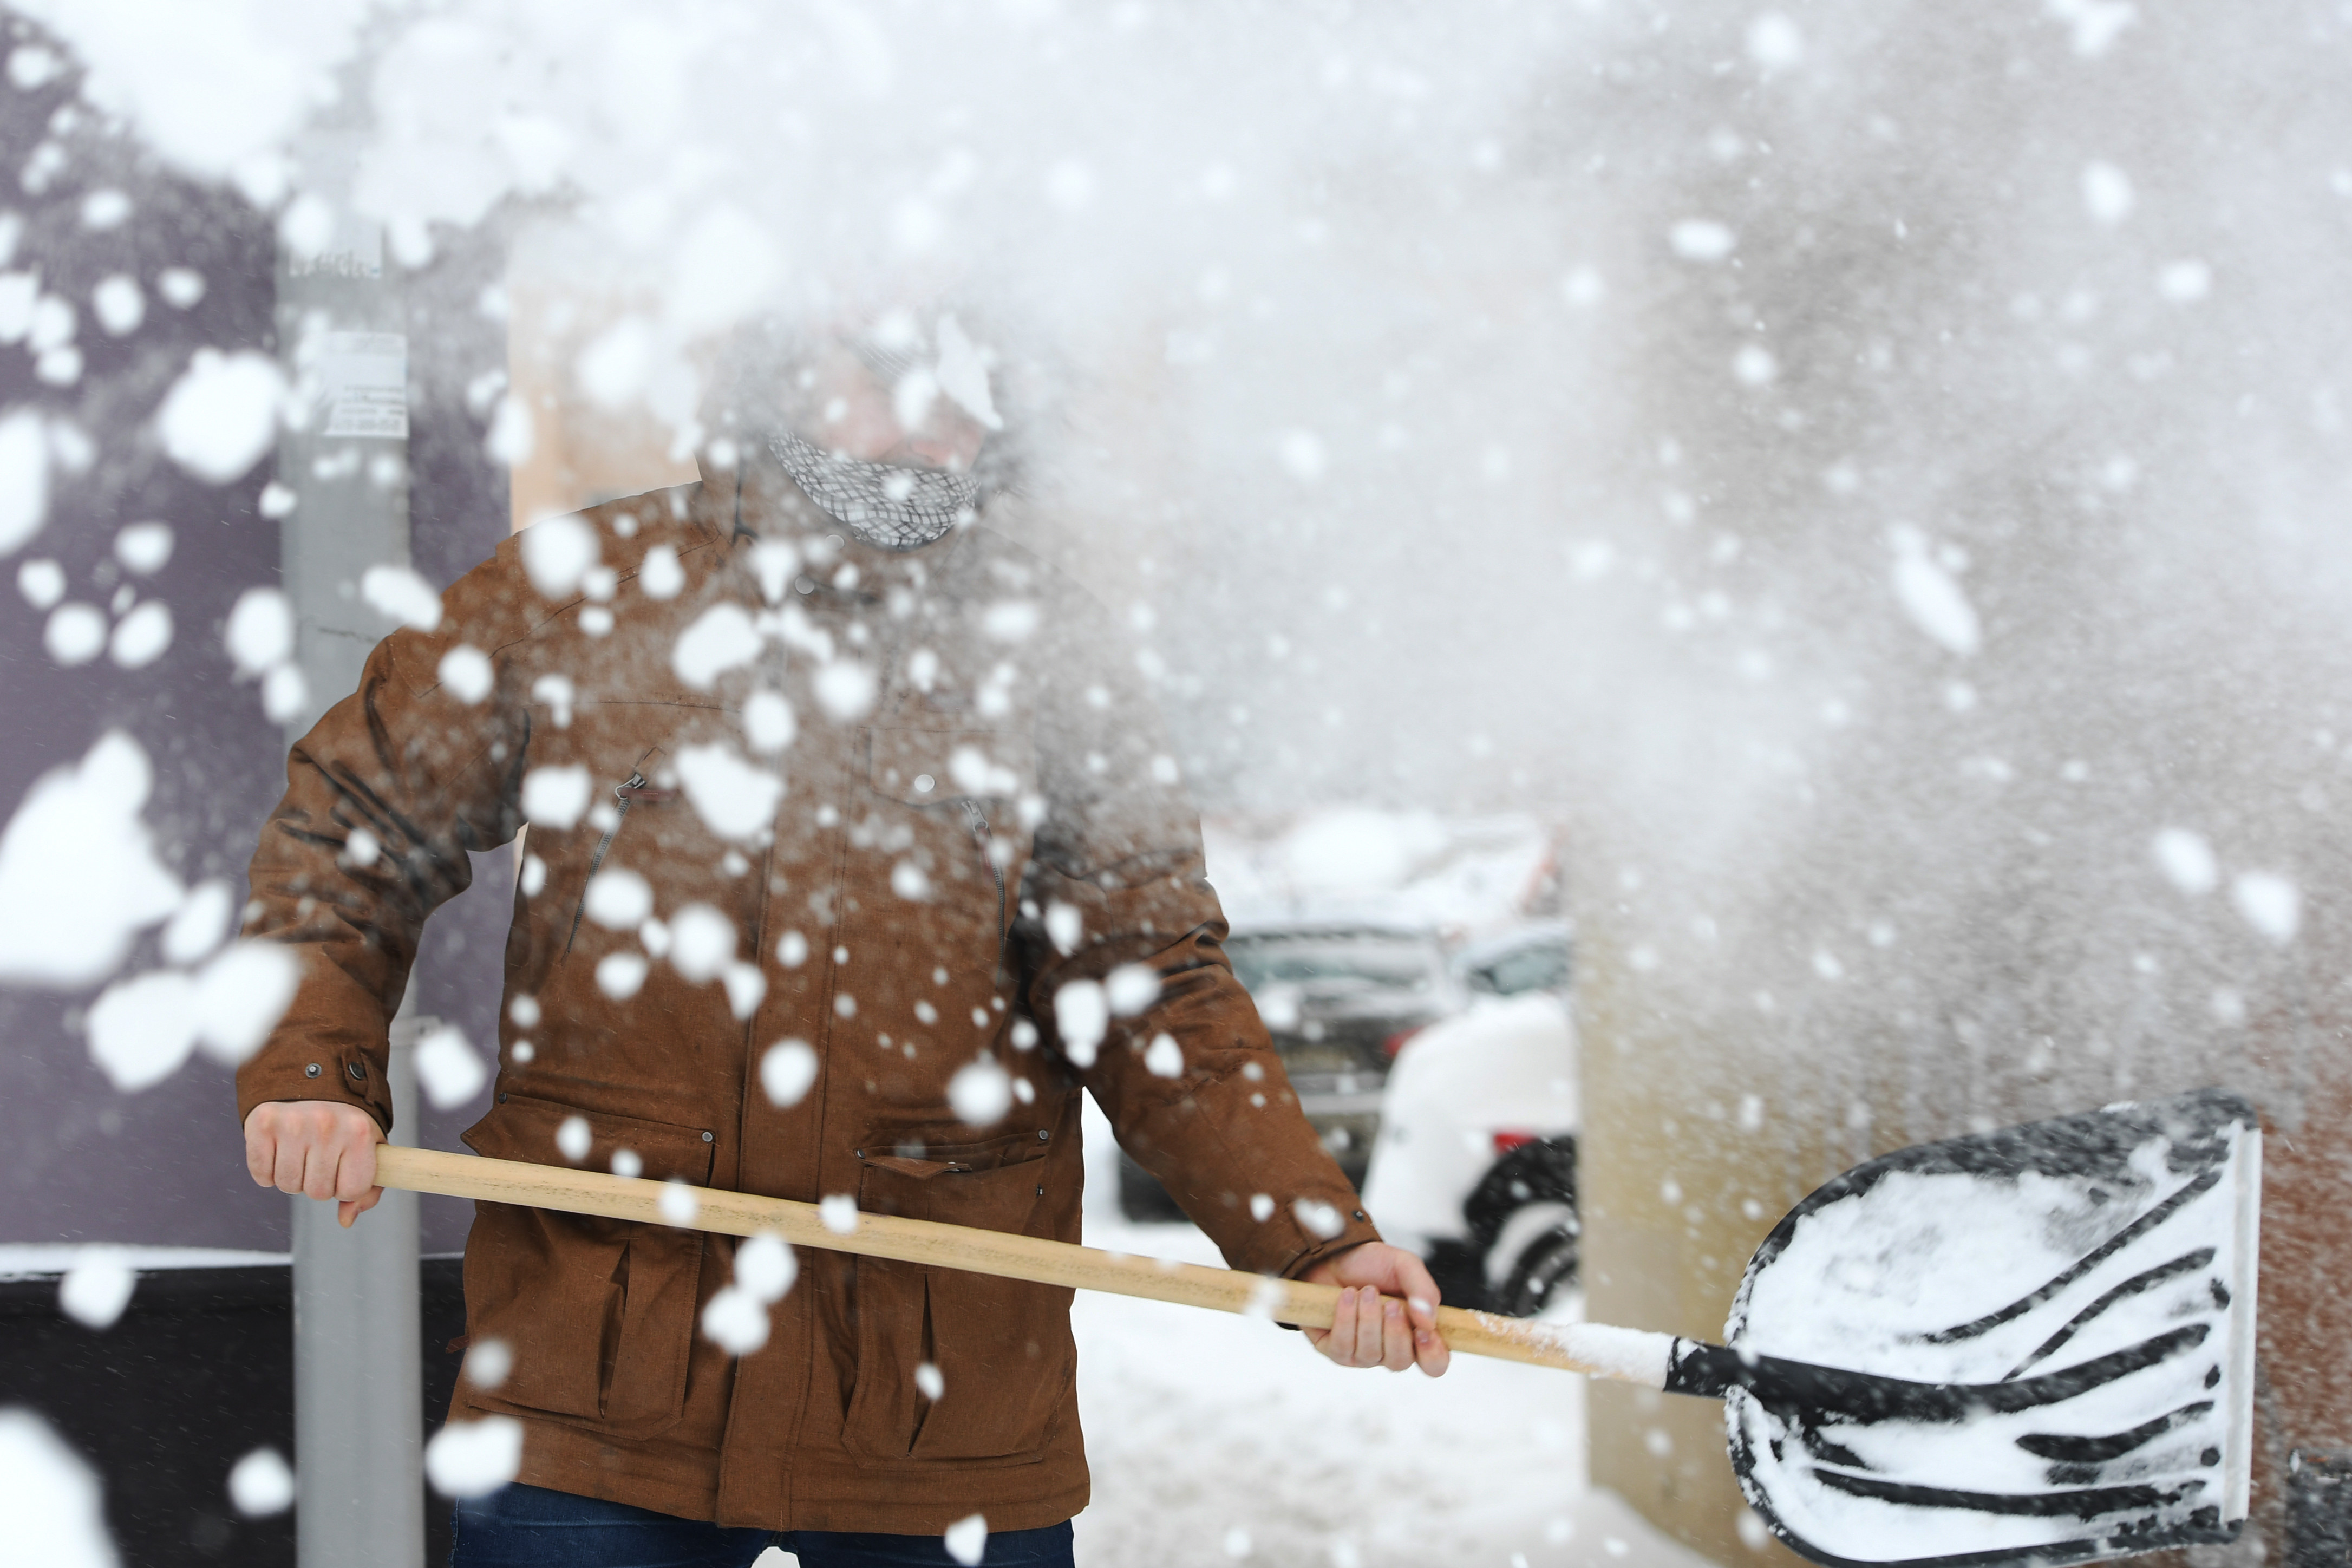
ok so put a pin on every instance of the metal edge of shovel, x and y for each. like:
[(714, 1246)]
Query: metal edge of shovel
[(1807, 1398), (2174, 1471)]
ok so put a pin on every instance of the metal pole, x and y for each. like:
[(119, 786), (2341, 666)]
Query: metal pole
[(343, 460)]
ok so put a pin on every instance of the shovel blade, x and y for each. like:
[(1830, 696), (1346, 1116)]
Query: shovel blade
[(2085, 1286)]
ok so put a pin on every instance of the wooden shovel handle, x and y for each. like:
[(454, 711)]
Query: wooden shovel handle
[(1593, 1349)]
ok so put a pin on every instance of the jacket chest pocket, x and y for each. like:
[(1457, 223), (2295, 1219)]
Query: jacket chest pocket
[(954, 1365), (599, 1314), (943, 841)]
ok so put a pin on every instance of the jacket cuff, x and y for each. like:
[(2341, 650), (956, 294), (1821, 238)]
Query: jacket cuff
[(1357, 1232), (332, 1074)]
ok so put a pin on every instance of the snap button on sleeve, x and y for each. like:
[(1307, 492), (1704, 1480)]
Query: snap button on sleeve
[(503, 1098), (357, 1072), (310, 1071), (1043, 1135), (709, 1138)]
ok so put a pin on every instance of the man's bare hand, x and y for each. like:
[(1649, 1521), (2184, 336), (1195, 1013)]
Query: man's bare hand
[(1388, 1310), (321, 1147)]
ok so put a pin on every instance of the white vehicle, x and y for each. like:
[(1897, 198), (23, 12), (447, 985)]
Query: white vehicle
[(1474, 1166)]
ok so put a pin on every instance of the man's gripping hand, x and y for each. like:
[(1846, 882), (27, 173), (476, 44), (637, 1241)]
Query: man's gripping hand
[(1371, 1326), (321, 1147)]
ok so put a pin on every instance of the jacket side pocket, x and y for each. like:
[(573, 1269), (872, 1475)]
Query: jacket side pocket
[(1002, 1348), (599, 1314)]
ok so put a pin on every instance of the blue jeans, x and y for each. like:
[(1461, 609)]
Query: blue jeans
[(532, 1527)]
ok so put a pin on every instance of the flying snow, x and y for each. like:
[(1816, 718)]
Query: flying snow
[(768, 722), (574, 1139), (981, 1092), (1165, 1058), (1931, 599), (1701, 240), (97, 1287), (51, 1499), (787, 1071), (260, 631), (24, 477), (967, 1539), (240, 996), (1319, 1219), (765, 1265), (556, 797), (659, 574), (119, 305), (618, 898), (2188, 861), (78, 876), (73, 634), (1081, 1016), (2271, 903), (487, 1363), (845, 690), (474, 1458), (400, 594), (220, 416), (466, 673), (141, 1030), (142, 636), (1776, 43), (621, 975), (261, 1484), (1130, 988), (2107, 193), (556, 552), (449, 1068), (201, 923), (143, 548), (736, 1321), (702, 942), (722, 639), (734, 798), (746, 984), (41, 582)]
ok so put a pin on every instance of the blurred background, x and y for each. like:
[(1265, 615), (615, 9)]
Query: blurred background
[(1830, 519)]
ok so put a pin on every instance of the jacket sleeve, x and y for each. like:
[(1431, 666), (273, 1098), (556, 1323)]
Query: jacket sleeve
[(384, 798), (1119, 845)]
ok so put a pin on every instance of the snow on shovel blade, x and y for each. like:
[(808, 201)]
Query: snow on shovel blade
[(2035, 1343)]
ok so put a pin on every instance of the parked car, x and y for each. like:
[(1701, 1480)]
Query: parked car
[(1476, 1164), (1532, 957), (1340, 1000)]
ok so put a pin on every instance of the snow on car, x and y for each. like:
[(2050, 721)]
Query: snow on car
[(1474, 1167)]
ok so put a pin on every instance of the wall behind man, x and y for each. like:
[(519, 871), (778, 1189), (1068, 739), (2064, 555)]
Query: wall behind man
[(79, 1161)]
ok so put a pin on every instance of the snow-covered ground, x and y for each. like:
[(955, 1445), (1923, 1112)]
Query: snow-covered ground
[(1213, 1438)]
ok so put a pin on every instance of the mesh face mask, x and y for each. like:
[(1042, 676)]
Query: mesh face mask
[(888, 508)]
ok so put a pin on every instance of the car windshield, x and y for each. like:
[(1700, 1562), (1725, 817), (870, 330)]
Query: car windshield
[(1391, 962), (1541, 967)]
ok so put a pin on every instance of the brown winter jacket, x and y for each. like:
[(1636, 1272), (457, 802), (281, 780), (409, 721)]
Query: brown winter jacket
[(986, 812)]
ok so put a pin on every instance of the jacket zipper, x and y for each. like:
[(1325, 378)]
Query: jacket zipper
[(627, 794), (980, 836)]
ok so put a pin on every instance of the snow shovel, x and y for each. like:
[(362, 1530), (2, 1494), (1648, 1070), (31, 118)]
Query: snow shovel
[(2029, 1343)]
